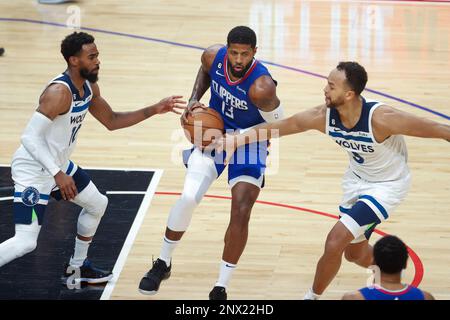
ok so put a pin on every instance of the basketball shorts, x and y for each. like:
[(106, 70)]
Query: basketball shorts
[(248, 163), (366, 204), (33, 187)]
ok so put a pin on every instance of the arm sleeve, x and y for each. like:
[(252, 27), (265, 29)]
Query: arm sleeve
[(34, 142), (273, 115)]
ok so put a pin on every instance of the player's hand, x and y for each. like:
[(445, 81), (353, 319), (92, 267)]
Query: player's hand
[(66, 186), (227, 143), (191, 106), (170, 104)]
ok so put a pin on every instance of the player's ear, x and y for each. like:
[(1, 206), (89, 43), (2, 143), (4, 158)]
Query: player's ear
[(349, 95), (254, 50), (73, 61)]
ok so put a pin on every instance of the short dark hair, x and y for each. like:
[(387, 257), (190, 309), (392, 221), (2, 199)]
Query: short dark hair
[(356, 75), (390, 254), (73, 43), (243, 35)]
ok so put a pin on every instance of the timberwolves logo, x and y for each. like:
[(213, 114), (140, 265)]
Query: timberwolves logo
[(30, 196)]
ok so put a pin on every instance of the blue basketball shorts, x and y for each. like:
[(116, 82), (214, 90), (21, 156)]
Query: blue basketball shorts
[(247, 164), (33, 187)]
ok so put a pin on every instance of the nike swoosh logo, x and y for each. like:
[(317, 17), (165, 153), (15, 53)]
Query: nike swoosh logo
[(242, 90), (219, 74)]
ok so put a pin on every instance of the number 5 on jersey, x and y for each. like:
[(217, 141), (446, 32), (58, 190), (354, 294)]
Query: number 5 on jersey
[(357, 157)]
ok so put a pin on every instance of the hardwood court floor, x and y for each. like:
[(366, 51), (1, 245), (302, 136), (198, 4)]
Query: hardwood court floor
[(150, 49)]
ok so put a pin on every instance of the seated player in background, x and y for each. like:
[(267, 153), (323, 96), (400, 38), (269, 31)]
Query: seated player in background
[(390, 256)]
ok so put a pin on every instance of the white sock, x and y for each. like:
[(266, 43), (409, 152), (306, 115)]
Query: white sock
[(166, 250), (226, 271), (80, 252), (310, 295)]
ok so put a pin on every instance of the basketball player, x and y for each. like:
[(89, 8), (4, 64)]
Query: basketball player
[(244, 93), (390, 256), (41, 167), (377, 178)]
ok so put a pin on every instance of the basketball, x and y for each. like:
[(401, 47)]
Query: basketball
[(202, 126)]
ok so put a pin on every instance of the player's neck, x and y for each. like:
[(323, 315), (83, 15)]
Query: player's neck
[(350, 112), (391, 281), (76, 79)]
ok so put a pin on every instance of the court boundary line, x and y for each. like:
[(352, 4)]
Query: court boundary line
[(132, 233), (417, 262), (135, 227)]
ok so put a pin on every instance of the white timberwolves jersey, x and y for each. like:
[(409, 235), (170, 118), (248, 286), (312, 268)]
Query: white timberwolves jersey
[(369, 160), (62, 135)]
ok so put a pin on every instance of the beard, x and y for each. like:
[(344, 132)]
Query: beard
[(331, 104), (239, 74), (90, 76)]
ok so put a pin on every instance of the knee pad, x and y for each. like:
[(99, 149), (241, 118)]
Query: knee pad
[(24, 241), (27, 236), (94, 206), (195, 187), (181, 213), (92, 200)]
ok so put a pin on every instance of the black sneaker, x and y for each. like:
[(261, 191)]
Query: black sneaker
[(150, 282), (218, 293), (88, 273)]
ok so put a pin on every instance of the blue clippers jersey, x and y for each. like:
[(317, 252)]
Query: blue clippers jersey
[(376, 293), (230, 98)]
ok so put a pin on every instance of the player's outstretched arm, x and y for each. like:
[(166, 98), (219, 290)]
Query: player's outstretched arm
[(389, 121), (112, 120), (311, 119)]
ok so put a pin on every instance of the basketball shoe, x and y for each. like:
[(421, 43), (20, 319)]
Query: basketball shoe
[(218, 293), (150, 282), (88, 273)]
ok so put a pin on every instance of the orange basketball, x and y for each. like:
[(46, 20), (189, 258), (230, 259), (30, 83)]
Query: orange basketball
[(202, 126)]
